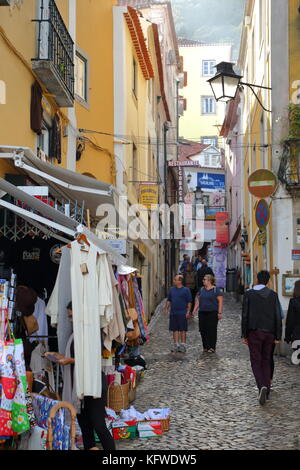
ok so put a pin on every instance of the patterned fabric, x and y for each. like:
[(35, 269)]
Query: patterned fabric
[(20, 421), (61, 433), (140, 309), (8, 386), (30, 411)]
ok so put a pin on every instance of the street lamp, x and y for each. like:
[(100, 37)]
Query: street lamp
[(226, 83)]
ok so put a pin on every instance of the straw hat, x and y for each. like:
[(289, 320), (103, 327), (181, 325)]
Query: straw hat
[(125, 270)]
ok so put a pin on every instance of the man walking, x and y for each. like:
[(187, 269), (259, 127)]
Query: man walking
[(180, 301), (201, 273), (261, 328), (180, 265)]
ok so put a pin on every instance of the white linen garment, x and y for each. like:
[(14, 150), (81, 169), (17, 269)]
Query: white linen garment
[(41, 317), (60, 297), (86, 322), (105, 291)]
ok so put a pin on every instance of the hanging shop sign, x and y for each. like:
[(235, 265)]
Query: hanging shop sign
[(262, 214), (262, 237), (180, 185), (262, 183), (149, 195), (222, 233), (117, 245)]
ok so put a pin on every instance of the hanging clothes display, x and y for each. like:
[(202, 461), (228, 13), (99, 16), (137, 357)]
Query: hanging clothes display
[(86, 321), (60, 297), (132, 299)]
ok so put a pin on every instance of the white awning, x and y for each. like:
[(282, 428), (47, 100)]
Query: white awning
[(65, 184), (50, 217)]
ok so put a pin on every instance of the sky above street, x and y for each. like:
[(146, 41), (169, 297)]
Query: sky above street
[(210, 20)]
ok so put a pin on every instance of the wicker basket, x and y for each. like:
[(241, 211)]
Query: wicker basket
[(118, 397), (165, 423), (132, 393)]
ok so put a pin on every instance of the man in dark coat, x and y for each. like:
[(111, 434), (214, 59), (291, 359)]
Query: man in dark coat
[(261, 328)]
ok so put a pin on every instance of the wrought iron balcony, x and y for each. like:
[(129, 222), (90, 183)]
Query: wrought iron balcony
[(54, 64), (289, 169)]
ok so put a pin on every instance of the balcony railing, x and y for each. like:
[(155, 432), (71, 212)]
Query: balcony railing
[(289, 169), (55, 54)]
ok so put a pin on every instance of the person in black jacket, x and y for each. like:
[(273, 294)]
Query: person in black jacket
[(202, 272), (261, 328), (292, 328)]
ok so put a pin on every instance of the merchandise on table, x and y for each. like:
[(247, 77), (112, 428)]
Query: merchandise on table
[(153, 433), (124, 429), (150, 426)]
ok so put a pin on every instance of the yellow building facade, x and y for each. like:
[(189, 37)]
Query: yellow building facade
[(255, 66), (91, 30), (203, 115)]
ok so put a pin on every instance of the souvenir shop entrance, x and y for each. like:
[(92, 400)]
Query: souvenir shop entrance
[(43, 250)]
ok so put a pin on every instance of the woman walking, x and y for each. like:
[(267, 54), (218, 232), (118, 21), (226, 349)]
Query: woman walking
[(210, 312)]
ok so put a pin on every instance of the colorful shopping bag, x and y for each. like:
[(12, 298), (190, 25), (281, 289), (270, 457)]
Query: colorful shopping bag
[(20, 420), (9, 387)]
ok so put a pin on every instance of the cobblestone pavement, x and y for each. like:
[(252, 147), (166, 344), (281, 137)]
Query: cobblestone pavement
[(213, 398)]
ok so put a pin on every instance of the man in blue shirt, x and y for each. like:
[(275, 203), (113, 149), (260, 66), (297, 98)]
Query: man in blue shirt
[(180, 302)]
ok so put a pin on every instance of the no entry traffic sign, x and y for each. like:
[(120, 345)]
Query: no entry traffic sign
[(262, 183), (262, 213)]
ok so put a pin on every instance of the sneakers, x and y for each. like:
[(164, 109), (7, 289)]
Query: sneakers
[(262, 395), (180, 348)]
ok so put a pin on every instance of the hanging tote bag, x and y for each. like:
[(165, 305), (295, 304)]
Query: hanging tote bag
[(20, 419), (8, 387)]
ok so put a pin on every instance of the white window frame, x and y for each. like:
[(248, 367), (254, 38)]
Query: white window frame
[(82, 96), (205, 108), (209, 65), (213, 140), (206, 160), (214, 160)]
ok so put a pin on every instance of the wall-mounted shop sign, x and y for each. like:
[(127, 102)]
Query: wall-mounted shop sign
[(180, 185), (222, 232), (211, 182), (262, 183), (177, 163)]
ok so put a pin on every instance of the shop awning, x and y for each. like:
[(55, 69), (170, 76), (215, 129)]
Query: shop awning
[(64, 183), (50, 217), (67, 184)]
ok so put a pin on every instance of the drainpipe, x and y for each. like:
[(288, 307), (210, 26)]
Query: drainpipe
[(72, 127), (166, 128)]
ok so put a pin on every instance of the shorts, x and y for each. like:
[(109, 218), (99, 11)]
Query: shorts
[(178, 323)]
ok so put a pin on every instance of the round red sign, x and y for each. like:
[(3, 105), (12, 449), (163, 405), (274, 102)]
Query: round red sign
[(262, 183)]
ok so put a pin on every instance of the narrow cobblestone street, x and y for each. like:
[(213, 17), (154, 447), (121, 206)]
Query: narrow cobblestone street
[(213, 398)]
